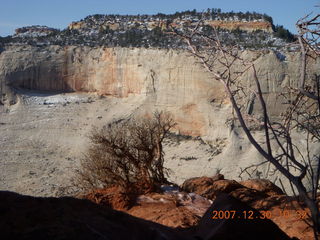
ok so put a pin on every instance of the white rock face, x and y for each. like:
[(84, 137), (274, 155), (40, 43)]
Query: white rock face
[(134, 81), (169, 79)]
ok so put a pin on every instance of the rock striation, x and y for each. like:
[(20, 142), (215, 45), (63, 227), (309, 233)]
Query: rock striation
[(168, 79)]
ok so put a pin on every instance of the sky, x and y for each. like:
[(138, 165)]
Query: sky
[(59, 13)]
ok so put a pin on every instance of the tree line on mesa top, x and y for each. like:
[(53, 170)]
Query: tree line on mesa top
[(134, 31)]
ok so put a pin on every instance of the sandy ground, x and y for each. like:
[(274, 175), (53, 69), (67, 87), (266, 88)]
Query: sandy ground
[(44, 136)]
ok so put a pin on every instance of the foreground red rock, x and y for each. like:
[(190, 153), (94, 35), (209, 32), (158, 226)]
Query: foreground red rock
[(24, 217), (260, 194), (166, 214), (182, 209), (176, 209), (112, 197), (262, 185), (292, 224)]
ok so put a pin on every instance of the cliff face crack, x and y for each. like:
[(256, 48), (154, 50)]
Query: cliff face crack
[(250, 104), (152, 74)]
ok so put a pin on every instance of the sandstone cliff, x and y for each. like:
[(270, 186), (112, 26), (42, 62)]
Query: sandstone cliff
[(168, 78), (134, 80)]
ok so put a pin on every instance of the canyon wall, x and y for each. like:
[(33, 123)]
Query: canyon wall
[(133, 81), (169, 79)]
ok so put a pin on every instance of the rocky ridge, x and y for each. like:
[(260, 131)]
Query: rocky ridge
[(34, 31), (248, 30)]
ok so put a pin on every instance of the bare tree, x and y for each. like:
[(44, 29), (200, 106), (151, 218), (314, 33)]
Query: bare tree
[(128, 154), (226, 65)]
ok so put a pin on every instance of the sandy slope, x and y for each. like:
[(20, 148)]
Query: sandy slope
[(44, 136)]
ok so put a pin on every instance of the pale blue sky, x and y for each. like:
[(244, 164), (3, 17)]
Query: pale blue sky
[(59, 13)]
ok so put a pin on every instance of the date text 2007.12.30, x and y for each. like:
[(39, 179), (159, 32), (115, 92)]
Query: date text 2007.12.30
[(250, 215)]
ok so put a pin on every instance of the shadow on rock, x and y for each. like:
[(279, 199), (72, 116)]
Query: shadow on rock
[(24, 217)]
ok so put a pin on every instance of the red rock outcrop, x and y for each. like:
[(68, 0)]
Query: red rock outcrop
[(262, 185), (245, 26), (172, 209), (113, 197), (260, 194), (167, 214), (181, 209), (290, 221)]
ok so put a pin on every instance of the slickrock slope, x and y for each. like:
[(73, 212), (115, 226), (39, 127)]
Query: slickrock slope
[(44, 132)]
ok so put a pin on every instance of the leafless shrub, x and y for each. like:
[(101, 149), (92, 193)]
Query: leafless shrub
[(127, 154), (278, 147)]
